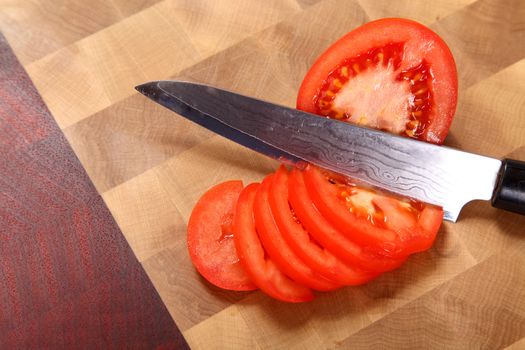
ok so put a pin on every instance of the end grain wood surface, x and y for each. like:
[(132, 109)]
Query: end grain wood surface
[(150, 166)]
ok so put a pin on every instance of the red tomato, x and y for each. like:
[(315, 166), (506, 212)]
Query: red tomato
[(261, 269), (210, 238), (317, 227), (278, 249), (326, 234), (313, 254), (392, 226), (391, 74)]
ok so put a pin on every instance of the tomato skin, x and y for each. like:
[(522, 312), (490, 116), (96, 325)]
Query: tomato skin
[(332, 239), (420, 44), (213, 255), (414, 236), (262, 271), (278, 249), (399, 239), (360, 230), (431, 218), (320, 259)]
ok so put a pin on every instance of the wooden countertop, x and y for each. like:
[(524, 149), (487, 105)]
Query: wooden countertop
[(85, 58)]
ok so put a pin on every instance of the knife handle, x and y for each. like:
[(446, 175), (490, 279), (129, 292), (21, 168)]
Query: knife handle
[(509, 193)]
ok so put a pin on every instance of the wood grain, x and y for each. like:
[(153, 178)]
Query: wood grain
[(77, 90), (139, 134), (151, 166), (165, 35), (35, 28), (417, 10), (64, 263), (484, 37), (452, 317)]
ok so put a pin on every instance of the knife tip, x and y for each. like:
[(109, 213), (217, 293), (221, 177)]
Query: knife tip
[(144, 88), (152, 89)]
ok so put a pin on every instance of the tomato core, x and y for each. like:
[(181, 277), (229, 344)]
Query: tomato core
[(373, 89)]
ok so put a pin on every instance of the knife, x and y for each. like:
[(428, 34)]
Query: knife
[(433, 174)]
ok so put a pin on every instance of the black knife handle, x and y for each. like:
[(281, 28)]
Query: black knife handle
[(509, 193)]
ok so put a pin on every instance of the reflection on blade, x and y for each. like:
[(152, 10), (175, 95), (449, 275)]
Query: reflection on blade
[(171, 102), (432, 174)]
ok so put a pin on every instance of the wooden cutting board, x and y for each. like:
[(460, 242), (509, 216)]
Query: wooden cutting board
[(64, 261), (150, 166)]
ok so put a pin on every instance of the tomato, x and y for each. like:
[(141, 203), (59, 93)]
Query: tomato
[(390, 225), (210, 238), (391, 74), (341, 245), (278, 249), (262, 270), (313, 254), (316, 230)]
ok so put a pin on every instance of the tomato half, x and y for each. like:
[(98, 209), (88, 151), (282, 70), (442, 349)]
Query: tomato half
[(278, 249), (306, 248), (262, 270), (392, 226), (391, 74), (331, 238), (210, 238)]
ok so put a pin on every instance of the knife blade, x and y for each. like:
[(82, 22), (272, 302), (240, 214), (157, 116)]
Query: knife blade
[(433, 174)]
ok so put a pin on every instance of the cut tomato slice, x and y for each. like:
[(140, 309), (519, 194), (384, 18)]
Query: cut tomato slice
[(391, 74), (210, 238), (330, 237), (372, 218), (308, 250), (278, 249), (262, 270), (318, 228)]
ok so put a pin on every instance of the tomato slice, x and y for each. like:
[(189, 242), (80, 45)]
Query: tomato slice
[(391, 74), (262, 270), (331, 238), (375, 220), (278, 249), (210, 238), (313, 254)]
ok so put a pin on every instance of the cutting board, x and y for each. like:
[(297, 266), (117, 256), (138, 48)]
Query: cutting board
[(151, 166), (64, 263)]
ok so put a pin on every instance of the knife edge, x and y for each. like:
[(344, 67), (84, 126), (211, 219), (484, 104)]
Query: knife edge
[(279, 131)]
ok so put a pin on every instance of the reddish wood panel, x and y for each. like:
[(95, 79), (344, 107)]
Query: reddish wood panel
[(68, 278)]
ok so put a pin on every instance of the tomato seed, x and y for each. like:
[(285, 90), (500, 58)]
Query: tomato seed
[(344, 71)]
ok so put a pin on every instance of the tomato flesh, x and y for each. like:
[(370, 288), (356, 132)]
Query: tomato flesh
[(395, 75), (340, 244), (371, 89), (386, 224), (210, 238), (313, 254), (278, 249), (391, 74), (262, 270)]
